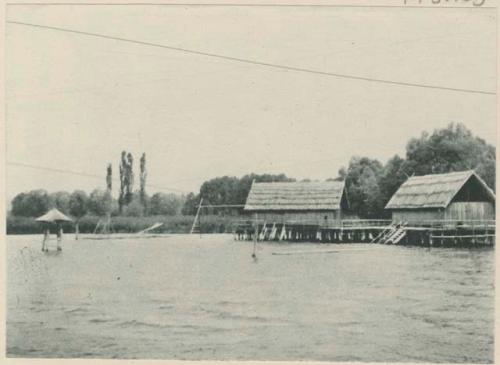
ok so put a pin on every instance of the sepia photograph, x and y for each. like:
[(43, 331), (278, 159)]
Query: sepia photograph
[(251, 181)]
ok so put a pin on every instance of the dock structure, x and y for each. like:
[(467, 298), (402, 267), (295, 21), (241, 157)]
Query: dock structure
[(443, 233), (453, 209)]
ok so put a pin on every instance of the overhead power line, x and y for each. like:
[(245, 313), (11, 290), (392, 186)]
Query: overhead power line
[(254, 62), (256, 5), (78, 173)]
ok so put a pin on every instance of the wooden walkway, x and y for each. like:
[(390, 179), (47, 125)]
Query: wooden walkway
[(425, 233)]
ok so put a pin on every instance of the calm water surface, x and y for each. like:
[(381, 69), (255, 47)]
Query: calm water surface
[(183, 297)]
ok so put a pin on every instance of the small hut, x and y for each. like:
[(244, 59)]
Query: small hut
[(307, 202), (53, 216), (457, 196)]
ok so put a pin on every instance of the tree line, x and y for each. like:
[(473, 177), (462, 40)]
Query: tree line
[(369, 182), (78, 203), (100, 202)]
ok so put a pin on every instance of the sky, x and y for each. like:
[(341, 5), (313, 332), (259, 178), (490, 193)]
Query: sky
[(74, 102)]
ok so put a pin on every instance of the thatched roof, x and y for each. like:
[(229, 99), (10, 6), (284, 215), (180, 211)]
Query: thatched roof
[(53, 215), (432, 191), (280, 196)]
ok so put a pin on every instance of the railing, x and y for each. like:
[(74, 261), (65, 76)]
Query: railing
[(343, 224), (376, 223), (453, 224), (351, 223)]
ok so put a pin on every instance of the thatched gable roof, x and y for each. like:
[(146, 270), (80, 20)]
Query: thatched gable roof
[(433, 191), (280, 196)]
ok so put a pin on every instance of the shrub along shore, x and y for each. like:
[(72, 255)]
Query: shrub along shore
[(87, 224)]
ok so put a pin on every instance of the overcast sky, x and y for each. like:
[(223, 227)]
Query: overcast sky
[(74, 102)]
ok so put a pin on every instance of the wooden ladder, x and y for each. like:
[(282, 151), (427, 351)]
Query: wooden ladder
[(395, 235), (385, 234), (196, 228), (398, 235)]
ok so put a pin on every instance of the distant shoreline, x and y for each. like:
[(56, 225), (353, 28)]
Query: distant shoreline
[(129, 225)]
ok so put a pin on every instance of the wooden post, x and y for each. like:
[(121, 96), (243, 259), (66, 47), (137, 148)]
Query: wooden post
[(59, 236), (46, 236), (77, 229), (473, 234), (256, 232)]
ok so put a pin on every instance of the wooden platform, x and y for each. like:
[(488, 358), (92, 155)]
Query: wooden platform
[(425, 233)]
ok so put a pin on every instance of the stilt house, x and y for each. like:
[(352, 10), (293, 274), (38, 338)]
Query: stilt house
[(320, 203), (457, 196)]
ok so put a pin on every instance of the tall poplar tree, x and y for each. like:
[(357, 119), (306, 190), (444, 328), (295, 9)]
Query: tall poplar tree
[(143, 177), (109, 178), (129, 179), (123, 174)]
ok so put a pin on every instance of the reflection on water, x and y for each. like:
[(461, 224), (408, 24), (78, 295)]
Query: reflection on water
[(183, 297)]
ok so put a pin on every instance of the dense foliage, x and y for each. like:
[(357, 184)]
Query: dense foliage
[(451, 149), (78, 204), (32, 204), (99, 203), (165, 204), (370, 184), (227, 190)]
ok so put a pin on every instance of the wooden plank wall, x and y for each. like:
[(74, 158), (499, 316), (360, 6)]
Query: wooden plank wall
[(470, 211), (417, 215), (318, 217), (306, 217)]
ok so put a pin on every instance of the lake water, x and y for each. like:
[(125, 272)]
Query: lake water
[(186, 297)]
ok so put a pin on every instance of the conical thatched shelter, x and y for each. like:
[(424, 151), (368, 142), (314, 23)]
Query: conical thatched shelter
[(452, 196), (54, 216)]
